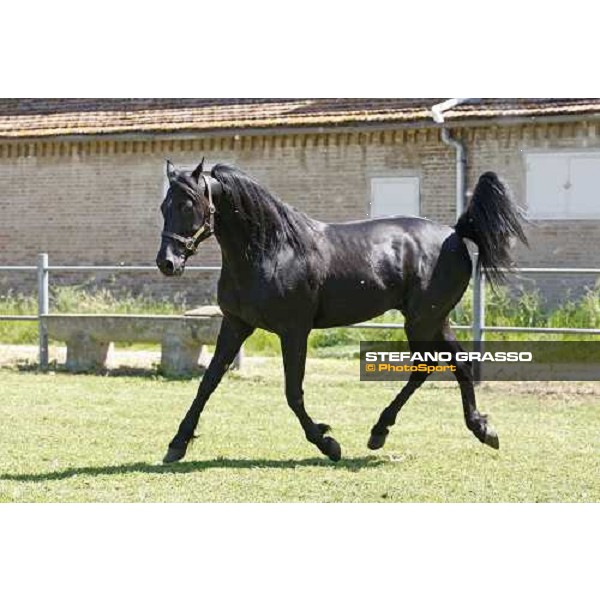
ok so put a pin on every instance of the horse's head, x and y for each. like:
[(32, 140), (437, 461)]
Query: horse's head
[(188, 213)]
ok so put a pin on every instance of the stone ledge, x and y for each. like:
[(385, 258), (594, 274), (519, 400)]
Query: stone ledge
[(89, 336)]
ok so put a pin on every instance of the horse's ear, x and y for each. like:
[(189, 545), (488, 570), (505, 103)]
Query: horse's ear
[(170, 170), (198, 171)]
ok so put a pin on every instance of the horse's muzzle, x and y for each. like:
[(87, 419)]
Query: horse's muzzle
[(170, 267)]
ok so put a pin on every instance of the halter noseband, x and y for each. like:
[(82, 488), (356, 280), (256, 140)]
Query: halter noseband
[(192, 243)]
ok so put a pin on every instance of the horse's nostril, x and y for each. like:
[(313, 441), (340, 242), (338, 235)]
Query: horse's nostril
[(165, 265)]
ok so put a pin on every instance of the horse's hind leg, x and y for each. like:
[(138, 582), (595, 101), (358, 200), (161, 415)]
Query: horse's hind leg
[(231, 337), (476, 422), (293, 349), (387, 418)]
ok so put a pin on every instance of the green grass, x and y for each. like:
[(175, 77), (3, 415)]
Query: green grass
[(66, 438), (523, 310), (76, 300)]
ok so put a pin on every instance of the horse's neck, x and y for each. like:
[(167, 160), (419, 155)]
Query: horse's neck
[(239, 249), (232, 238)]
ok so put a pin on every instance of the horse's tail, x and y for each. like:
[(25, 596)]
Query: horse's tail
[(491, 221)]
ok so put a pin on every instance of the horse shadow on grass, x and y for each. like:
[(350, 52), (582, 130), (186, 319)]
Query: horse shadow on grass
[(352, 464)]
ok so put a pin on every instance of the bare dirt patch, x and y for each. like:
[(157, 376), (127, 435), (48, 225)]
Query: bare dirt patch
[(13, 356)]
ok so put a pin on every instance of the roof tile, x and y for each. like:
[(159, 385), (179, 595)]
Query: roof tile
[(46, 117)]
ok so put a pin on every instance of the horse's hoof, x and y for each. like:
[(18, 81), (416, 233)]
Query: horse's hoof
[(174, 455), (332, 449), (491, 438), (376, 441)]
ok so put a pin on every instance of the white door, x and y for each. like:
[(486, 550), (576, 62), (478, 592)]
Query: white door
[(563, 185)]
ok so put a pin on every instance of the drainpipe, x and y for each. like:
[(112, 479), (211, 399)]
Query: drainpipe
[(461, 185), (461, 160)]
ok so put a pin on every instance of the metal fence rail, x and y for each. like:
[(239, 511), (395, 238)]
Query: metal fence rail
[(477, 327), (121, 268)]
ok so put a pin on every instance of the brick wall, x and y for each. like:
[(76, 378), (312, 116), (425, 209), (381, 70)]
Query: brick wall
[(98, 202)]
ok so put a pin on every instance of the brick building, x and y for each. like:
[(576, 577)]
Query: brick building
[(82, 179)]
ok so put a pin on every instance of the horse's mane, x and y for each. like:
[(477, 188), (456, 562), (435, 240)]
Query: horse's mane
[(269, 223)]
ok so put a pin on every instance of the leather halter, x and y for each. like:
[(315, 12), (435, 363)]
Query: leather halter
[(207, 229)]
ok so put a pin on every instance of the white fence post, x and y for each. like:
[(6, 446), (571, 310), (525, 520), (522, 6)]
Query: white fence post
[(43, 307)]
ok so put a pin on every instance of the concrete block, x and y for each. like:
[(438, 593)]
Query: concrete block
[(86, 353)]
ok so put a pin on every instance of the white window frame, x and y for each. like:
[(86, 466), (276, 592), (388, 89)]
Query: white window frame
[(565, 215), (415, 180)]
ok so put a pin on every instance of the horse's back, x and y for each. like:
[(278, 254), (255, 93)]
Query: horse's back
[(412, 245), (390, 228), (373, 266)]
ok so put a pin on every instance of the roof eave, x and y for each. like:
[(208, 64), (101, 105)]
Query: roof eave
[(383, 125)]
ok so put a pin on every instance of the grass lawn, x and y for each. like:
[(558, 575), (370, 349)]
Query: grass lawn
[(76, 438)]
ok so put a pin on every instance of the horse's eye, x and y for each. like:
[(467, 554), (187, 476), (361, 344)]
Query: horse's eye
[(187, 206)]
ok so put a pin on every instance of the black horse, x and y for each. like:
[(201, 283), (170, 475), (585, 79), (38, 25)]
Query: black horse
[(287, 273)]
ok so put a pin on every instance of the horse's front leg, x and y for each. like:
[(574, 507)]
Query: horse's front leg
[(231, 337), (293, 349)]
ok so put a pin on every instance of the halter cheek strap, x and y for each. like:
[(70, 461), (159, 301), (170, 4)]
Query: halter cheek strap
[(207, 229)]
